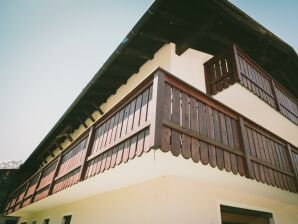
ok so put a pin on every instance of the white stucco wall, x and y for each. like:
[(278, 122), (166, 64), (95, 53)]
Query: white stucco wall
[(177, 191)]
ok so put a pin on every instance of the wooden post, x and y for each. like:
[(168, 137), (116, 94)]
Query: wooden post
[(55, 174), (244, 145), (236, 66), (86, 154), (207, 79), (291, 163), (156, 112), (18, 195), (27, 187), (273, 88), (37, 183)]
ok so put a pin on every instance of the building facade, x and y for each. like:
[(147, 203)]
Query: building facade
[(193, 119)]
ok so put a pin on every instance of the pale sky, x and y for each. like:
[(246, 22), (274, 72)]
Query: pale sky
[(50, 49)]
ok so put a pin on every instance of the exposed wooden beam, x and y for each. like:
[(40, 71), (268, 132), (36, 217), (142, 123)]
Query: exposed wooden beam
[(196, 34), (155, 37), (173, 19), (80, 121), (137, 53), (65, 135), (59, 145), (218, 38), (100, 111), (129, 69), (69, 138), (90, 116), (83, 123), (95, 105)]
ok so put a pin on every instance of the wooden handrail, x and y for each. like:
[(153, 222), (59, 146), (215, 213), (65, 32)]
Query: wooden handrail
[(266, 156)]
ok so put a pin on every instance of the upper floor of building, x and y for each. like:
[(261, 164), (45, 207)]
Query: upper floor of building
[(208, 90)]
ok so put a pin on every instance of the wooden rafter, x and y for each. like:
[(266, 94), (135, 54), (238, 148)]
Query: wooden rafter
[(197, 34)]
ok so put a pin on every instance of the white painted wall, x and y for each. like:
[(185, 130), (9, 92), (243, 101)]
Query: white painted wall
[(176, 191)]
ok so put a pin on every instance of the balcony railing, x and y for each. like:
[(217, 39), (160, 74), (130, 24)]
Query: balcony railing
[(233, 65), (165, 113)]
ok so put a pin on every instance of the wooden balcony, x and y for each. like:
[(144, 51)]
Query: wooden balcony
[(233, 65), (164, 113)]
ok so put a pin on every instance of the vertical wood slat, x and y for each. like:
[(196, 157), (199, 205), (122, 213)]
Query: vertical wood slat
[(156, 110), (27, 187), (52, 183), (37, 184), (86, 154), (291, 164), (16, 200), (245, 147), (175, 149), (208, 80)]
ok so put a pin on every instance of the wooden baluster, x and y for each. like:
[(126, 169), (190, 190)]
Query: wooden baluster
[(244, 145), (291, 163), (52, 182), (37, 183), (273, 88), (156, 111), (86, 154), (207, 79)]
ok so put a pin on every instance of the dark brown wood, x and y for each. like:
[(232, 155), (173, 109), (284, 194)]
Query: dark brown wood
[(245, 148), (176, 136), (86, 153), (52, 182), (120, 140), (217, 135), (195, 151), (291, 163), (208, 80), (185, 149), (236, 65), (201, 137), (210, 134), (247, 72), (37, 184), (25, 192), (275, 94), (231, 143), (203, 132), (156, 111), (166, 135)]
